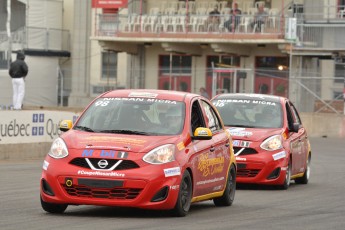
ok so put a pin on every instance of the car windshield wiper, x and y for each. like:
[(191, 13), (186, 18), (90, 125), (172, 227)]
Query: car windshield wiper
[(84, 128), (124, 131)]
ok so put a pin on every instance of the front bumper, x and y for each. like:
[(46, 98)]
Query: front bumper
[(265, 167), (146, 187)]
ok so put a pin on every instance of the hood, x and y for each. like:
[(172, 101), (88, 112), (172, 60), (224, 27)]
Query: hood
[(252, 134), (20, 56), (75, 139)]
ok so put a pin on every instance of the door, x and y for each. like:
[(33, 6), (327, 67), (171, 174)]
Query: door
[(218, 158)]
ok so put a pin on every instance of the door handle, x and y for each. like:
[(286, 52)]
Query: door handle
[(227, 145), (212, 149)]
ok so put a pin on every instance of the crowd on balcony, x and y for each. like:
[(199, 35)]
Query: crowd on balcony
[(203, 16)]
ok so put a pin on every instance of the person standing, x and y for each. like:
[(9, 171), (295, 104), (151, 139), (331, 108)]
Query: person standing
[(18, 71), (204, 93), (235, 13)]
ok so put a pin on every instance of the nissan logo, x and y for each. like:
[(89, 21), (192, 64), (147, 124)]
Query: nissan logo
[(102, 163)]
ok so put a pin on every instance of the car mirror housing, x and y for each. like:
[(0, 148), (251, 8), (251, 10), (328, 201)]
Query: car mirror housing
[(202, 134), (65, 125)]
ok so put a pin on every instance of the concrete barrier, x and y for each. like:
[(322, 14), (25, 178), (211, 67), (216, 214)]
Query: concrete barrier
[(26, 148)]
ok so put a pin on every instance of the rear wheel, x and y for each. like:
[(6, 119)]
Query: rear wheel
[(184, 197), (53, 208), (229, 193), (305, 178)]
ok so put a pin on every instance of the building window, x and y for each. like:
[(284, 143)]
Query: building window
[(109, 65), (272, 75), (339, 72), (181, 65)]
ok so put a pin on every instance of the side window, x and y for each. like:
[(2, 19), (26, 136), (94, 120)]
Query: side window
[(196, 116), (295, 113), (289, 116), (214, 123)]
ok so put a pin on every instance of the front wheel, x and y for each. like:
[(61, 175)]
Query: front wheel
[(305, 178), (287, 180), (229, 193), (184, 196), (53, 208)]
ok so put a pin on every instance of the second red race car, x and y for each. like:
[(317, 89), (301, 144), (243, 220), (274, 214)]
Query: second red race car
[(149, 149), (270, 142)]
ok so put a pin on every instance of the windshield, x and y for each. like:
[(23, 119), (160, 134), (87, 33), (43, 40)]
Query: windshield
[(250, 113), (139, 116)]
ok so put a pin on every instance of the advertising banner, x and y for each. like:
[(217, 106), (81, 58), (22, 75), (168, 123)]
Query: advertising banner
[(31, 126), (107, 4)]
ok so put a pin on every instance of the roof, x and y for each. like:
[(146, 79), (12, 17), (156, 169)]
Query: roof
[(249, 96), (151, 93)]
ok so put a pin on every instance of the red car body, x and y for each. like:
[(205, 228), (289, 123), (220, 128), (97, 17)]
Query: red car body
[(120, 153), (270, 149)]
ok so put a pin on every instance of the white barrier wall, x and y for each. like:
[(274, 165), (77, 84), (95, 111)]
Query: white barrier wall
[(31, 126)]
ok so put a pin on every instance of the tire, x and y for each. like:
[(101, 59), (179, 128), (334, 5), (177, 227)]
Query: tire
[(229, 193), (305, 178), (53, 208), (184, 196), (287, 180)]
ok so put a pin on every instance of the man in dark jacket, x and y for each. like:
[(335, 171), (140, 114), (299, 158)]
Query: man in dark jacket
[(18, 71)]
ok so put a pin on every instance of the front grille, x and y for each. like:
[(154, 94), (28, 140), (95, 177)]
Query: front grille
[(246, 151), (125, 164), (104, 193), (247, 172)]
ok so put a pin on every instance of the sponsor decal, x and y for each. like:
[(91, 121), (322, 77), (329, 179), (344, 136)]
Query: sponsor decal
[(216, 188), (172, 172), (174, 187), (104, 153), (45, 165), (241, 159), (180, 146), (202, 132), (105, 101), (210, 166), (223, 102), (31, 126), (279, 155), (238, 143), (98, 173), (209, 181), (239, 132), (117, 140)]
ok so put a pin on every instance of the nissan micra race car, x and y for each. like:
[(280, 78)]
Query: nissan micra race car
[(270, 143), (150, 149)]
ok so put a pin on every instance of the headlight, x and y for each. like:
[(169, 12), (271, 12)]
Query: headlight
[(161, 155), (272, 143), (58, 149)]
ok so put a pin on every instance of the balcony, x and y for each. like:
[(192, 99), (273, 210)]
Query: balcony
[(36, 39), (186, 28)]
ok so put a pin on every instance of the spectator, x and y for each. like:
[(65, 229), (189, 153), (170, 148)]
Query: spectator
[(18, 71), (204, 93), (213, 20), (235, 13), (259, 18)]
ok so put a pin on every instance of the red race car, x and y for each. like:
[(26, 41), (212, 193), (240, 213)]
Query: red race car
[(270, 143), (151, 149)]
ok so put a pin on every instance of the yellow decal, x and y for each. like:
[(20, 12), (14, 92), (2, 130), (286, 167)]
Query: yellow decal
[(210, 166), (118, 140)]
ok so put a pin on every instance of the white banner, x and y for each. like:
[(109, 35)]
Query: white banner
[(31, 126)]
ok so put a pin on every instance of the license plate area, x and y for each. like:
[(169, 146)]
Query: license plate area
[(92, 183)]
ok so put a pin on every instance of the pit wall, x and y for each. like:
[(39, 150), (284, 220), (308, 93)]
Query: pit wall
[(26, 135)]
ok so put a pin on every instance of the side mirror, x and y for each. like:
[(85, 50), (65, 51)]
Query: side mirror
[(202, 134), (295, 127), (65, 125)]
